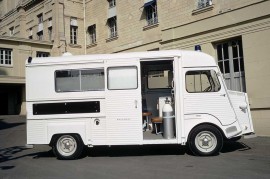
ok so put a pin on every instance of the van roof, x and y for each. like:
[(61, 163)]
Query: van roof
[(188, 58)]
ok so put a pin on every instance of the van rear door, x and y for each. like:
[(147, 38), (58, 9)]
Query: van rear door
[(241, 107)]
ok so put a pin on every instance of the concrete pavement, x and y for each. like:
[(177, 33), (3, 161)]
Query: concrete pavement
[(248, 158)]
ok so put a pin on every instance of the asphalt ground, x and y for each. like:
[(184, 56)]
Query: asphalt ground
[(247, 158)]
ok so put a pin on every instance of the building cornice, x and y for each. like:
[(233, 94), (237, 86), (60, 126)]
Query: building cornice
[(26, 3), (24, 40), (12, 79)]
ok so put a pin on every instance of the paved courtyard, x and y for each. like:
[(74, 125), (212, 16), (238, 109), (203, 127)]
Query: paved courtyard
[(248, 158)]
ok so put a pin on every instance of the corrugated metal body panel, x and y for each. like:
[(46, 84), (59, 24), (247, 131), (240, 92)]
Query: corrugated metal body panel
[(37, 132), (99, 132), (243, 115), (68, 126), (123, 124), (210, 103), (215, 103), (123, 108)]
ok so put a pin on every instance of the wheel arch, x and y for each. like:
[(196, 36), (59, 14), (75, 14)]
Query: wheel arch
[(55, 137), (207, 123), (56, 129)]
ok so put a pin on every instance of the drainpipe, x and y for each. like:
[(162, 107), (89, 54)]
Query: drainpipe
[(84, 27)]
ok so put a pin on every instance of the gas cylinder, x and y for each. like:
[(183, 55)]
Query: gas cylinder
[(168, 120)]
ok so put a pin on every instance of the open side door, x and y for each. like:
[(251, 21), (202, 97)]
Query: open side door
[(123, 102), (241, 107)]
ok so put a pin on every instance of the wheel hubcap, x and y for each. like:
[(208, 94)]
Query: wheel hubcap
[(66, 145), (206, 141)]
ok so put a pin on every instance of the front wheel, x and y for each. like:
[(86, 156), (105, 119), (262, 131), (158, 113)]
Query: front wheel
[(205, 140), (68, 147)]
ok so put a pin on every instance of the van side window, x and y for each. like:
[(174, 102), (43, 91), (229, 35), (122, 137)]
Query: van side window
[(159, 79), (79, 80), (122, 78), (202, 81)]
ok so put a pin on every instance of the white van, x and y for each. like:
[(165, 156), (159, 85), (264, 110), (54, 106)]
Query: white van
[(117, 99)]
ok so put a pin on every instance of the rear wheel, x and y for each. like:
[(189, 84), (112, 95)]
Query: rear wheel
[(68, 147), (205, 140)]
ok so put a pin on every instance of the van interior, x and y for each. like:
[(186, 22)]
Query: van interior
[(157, 86)]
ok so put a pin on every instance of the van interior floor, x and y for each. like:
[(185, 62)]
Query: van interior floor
[(148, 135)]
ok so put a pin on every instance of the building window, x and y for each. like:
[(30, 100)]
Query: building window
[(231, 64), (112, 24), (50, 22), (40, 35), (151, 12), (30, 33), (112, 3), (73, 30), (92, 34), (204, 3), (50, 33), (5, 57), (50, 29), (11, 31), (43, 54), (40, 19), (73, 34), (40, 27)]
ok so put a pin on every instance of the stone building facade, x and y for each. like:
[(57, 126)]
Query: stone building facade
[(236, 33)]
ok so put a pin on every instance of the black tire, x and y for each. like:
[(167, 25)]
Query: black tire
[(68, 146), (205, 140)]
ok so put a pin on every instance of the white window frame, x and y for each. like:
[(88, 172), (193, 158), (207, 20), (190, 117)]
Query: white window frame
[(112, 24), (73, 34), (204, 3), (3, 54), (92, 34)]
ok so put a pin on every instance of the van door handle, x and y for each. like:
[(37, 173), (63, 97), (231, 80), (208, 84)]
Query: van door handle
[(136, 104), (223, 95)]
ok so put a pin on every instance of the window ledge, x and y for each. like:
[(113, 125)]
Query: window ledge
[(112, 38), (202, 10), (91, 45), (150, 26), (75, 46), (7, 66)]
